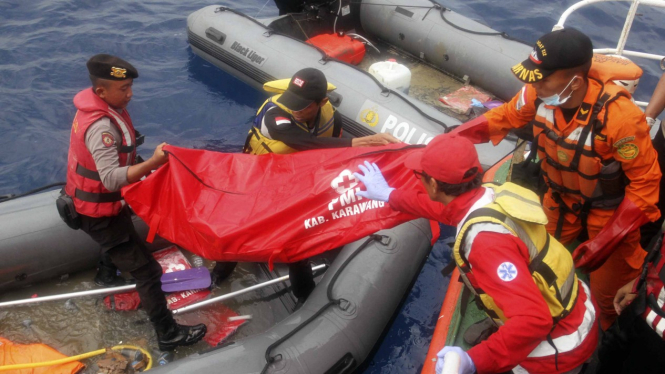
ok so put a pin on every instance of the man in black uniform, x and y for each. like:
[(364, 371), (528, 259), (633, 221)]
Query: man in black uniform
[(101, 159), (301, 118)]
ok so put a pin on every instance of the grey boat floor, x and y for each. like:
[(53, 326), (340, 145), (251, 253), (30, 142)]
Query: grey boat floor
[(85, 324), (427, 82)]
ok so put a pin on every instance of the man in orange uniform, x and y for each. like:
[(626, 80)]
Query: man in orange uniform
[(601, 171)]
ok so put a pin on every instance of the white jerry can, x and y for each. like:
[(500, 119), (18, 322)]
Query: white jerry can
[(392, 75)]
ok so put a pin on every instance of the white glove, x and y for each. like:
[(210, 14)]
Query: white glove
[(375, 183), (651, 122), (466, 365)]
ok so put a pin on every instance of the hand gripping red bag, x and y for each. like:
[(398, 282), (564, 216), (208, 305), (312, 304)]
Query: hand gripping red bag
[(268, 208)]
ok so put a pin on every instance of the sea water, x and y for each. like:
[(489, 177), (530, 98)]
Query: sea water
[(183, 100)]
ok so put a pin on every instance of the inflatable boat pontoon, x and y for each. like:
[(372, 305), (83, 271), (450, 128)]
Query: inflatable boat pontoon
[(257, 52)]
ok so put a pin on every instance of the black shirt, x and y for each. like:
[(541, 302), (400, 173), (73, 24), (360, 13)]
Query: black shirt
[(294, 136), (569, 113)]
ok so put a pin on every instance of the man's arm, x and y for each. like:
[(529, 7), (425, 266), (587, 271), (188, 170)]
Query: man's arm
[(419, 204), (102, 140), (657, 102), (281, 128), (512, 115), (136, 172), (337, 125), (628, 142), (500, 269), (495, 124), (628, 137)]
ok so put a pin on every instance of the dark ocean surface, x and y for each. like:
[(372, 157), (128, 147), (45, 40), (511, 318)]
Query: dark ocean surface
[(185, 101)]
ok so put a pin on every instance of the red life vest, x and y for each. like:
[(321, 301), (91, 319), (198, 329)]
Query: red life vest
[(84, 184), (654, 314)]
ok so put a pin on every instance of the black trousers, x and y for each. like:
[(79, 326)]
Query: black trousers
[(650, 229), (300, 275), (630, 346), (118, 239)]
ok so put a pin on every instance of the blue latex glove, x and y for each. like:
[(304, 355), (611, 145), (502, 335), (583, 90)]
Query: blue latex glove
[(466, 363), (377, 187)]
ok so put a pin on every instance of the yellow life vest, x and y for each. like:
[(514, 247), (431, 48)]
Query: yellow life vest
[(259, 141), (518, 210)]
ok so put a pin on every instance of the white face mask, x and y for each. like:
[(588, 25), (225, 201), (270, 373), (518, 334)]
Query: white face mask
[(556, 100)]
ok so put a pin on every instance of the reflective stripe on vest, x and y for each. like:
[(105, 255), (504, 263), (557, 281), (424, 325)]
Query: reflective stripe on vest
[(652, 316), (260, 142), (570, 342), (654, 279), (519, 213), (571, 166)]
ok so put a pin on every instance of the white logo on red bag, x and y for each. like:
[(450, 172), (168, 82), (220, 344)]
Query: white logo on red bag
[(344, 182), (298, 82), (347, 204)]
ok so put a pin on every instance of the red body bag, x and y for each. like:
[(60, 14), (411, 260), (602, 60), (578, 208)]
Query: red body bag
[(268, 208)]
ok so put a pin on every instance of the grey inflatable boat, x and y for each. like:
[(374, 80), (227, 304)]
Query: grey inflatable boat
[(335, 329), (344, 318), (257, 51), (341, 321), (36, 245)]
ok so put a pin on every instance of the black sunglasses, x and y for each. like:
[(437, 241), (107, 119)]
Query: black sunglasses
[(420, 174)]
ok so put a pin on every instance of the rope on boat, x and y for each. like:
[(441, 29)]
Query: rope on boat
[(325, 58), (443, 9), (331, 301), (495, 33), (8, 197)]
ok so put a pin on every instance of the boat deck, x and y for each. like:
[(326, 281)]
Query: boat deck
[(427, 82), (85, 324)]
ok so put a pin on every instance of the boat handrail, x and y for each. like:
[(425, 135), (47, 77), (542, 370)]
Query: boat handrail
[(630, 17)]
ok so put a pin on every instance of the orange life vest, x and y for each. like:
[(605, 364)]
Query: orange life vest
[(571, 166)]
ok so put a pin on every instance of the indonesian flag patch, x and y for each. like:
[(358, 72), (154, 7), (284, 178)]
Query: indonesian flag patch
[(107, 139), (282, 121), (298, 82)]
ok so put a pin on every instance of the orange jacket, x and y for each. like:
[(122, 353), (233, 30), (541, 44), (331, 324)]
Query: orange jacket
[(624, 138)]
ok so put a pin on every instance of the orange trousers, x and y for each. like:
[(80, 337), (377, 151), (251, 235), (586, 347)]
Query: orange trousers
[(622, 266)]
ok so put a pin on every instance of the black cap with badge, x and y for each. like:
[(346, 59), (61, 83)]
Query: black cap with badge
[(561, 49), (307, 86), (111, 67)]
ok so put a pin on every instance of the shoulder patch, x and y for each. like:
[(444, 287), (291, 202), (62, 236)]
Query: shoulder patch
[(507, 271), (282, 121), (620, 142), (107, 139), (583, 113), (628, 151)]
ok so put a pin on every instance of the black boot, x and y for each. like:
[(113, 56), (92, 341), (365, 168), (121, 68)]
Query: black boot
[(222, 271), (107, 276), (302, 280), (170, 334)]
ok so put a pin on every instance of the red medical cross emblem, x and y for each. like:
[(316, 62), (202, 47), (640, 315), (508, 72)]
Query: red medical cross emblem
[(347, 181)]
